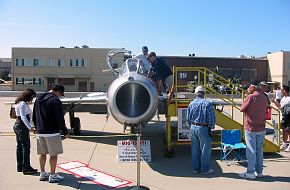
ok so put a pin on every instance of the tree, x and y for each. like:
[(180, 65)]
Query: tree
[(5, 75)]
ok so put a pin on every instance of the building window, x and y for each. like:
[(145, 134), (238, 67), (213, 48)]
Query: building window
[(51, 63), (18, 81), (35, 62), (78, 63), (36, 81), (40, 81), (29, 62), (60, 62), (84, 63), (29, 81)]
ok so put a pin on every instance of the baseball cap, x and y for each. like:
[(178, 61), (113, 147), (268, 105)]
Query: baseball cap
[(199, 89), (144, 48), (264, 83), (58, 88)]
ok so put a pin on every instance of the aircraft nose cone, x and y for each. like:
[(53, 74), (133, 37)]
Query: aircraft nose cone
[(132, 100)]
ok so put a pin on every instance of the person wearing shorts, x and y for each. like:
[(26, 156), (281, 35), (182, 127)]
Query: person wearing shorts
[(49, 121), (161, 72)]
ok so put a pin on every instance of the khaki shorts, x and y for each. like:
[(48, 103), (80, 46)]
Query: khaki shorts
[(169, 81), (49, 145)]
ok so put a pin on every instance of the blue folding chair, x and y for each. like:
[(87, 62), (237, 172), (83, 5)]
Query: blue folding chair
[(231, 145)]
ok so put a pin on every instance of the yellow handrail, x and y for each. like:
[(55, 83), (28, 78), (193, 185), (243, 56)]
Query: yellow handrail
[(203, 76)]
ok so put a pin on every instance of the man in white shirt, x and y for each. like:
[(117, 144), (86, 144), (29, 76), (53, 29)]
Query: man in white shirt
[(143, 57)]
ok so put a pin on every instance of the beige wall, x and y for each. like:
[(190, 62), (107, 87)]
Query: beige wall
[(91, 73), (279, 69)]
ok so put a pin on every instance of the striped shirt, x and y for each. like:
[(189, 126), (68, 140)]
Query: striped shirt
[(201, 111)]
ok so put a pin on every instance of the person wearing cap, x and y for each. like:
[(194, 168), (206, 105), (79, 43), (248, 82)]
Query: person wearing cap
[(143, 58), (160, 72), (201, 119), (254, 108), (284, 103), (48, 118)]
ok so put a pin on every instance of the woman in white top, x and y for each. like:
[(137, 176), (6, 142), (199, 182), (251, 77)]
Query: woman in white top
[(22, 127), (285, 126)]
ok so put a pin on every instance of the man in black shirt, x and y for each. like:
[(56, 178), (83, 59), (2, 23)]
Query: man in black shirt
[(160, 71), (49, 120)]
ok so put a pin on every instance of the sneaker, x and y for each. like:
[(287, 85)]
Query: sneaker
[(284, 146), (55, 178), (259, 175), (43, 176), (210, 171), (30, 171), (195, 171), (287, 149), (247, 175)]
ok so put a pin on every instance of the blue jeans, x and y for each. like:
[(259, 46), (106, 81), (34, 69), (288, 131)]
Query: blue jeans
[(23, 146), (200, 148), (254, 151)]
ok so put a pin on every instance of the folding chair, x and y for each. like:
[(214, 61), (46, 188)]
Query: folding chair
[(231, 145)]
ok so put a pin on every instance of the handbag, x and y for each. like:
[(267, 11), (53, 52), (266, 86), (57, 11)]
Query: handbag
[(12, 112)]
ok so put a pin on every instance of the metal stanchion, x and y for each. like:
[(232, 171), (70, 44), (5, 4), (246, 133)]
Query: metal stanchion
[(138, 186)]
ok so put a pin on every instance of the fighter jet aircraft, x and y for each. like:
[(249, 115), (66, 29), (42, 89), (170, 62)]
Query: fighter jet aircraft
[(132, 98)]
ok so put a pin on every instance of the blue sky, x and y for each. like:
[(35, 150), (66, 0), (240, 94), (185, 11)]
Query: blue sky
[(222, 28)]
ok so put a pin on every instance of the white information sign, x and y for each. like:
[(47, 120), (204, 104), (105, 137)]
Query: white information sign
[(183, 132), (127, 151)]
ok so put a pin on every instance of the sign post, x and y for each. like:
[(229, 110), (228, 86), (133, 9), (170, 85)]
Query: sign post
[(138, 186)]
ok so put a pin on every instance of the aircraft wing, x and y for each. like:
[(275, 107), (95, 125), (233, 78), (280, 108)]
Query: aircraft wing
[(96, 97)]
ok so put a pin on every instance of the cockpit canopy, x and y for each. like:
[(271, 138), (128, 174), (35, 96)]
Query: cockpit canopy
[(132, 65)]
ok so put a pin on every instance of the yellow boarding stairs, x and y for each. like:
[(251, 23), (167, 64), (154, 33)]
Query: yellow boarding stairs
[(227, 117)]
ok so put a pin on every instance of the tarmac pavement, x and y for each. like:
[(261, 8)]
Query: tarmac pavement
[(100, 153)]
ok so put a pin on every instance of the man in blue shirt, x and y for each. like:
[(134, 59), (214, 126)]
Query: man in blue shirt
[(201, 119)]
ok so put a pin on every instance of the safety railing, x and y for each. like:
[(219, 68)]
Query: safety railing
[(233, 95)]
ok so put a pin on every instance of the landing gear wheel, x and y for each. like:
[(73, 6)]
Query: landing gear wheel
[(168, 153), (76, 126)]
